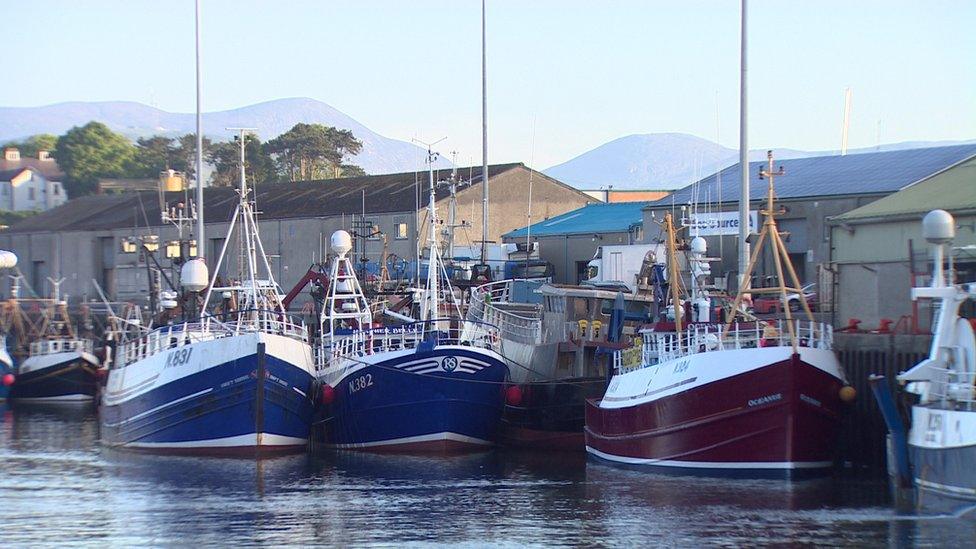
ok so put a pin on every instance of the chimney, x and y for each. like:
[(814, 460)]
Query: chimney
[(44, 156), (11, 154)]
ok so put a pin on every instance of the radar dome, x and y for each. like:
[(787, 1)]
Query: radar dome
[(938, 227), (194, 275), (341, 242), (8, 260), (698, 245)]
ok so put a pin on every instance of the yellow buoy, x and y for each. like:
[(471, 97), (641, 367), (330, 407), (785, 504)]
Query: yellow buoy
[(848, 393)]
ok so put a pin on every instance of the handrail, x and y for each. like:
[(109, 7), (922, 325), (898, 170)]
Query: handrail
[(207, 328), (51, 346), (661, 347), (482, 307), (360, 343)]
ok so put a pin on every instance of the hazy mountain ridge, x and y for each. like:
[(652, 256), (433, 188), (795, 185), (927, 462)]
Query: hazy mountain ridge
[(271, 118), (673, 160)]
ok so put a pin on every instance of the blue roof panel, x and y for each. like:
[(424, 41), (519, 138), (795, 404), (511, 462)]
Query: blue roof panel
[(863, 173), (592, 218)]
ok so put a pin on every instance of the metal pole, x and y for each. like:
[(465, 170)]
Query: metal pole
[(484, 140), (201, 240), (743, 160)]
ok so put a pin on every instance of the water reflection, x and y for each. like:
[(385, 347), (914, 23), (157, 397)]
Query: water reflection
[(58, 485)]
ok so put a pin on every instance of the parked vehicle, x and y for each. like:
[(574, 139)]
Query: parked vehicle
[(620, 267)]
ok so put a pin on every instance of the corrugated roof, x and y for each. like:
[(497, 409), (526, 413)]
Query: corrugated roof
[(953, 190), (593, 218), (864, 173), (383, 194)]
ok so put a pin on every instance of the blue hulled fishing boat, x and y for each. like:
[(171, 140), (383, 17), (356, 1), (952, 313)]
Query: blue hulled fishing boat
[(434, 383)]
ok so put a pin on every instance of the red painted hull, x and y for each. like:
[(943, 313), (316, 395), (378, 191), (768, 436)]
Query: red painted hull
[(751, 424)]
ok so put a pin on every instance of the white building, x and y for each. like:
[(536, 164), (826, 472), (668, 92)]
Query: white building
[(30, 184)]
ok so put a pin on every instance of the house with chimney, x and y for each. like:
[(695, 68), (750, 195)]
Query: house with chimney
[(30, 184)]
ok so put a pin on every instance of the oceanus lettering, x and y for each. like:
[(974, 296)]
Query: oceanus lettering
[(765, 399)]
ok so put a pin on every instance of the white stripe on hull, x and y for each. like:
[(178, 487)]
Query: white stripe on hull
[(58, 398), (946, 489), (712, 464), (158, 408), (435, 437), (248, 440)]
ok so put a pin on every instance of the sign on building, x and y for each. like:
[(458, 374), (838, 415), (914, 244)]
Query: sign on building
[(720, 223)]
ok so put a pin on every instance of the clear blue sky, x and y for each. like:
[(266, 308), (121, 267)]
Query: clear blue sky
[(581, 72)]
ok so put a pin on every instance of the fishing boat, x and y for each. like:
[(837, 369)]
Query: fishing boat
[(939, 456), (54, 365), (743, 398), (557, 352), (235, 380), (428, 384)]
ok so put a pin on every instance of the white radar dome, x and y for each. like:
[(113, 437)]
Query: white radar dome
[(938, 227), (341, 242), (698, 245), (194, 275), (8, 260)]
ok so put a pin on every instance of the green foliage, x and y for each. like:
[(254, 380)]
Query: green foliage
[(312, 151), (8, 218), (226, 159), (34, 144), (91, 151)]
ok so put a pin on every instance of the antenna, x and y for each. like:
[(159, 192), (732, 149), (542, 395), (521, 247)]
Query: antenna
[(847, 121)]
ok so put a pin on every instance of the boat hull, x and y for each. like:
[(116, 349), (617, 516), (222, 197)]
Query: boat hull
[(256, 403), (59, 378), (777, 420), (446, 400), (549, 416), (942, 451)]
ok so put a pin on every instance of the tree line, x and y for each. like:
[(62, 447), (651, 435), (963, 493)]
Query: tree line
[(87, 153)]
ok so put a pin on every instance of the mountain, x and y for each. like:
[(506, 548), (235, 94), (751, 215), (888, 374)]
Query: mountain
[(379, 155), (673, 160)]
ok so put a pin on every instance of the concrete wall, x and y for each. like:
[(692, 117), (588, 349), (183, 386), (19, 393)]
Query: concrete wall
[(292, 244), (874, 272), (508, 204)]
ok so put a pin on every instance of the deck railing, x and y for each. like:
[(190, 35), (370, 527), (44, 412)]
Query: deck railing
[(661, 347), (361, 343), (488, 305), (51, 346), (954, 389), (206, 329)]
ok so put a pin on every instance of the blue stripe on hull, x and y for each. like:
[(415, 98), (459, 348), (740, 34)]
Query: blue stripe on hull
[(718, 472), (944, 477), (217, 403), (416, 411)]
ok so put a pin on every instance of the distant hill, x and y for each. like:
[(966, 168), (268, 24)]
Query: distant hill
[(272, 118), (673, 160)]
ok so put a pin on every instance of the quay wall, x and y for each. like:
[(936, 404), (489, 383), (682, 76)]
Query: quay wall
[(862, 441)]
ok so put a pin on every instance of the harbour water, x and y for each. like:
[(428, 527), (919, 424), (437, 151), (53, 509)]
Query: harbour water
[(59, 486)]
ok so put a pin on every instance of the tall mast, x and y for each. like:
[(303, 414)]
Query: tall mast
[(743, 160), (484, 140), (431, 295), (201, 240)]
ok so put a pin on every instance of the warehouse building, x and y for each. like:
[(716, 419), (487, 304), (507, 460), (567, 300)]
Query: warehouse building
[(878, 252), (83, 239), (813, 190)]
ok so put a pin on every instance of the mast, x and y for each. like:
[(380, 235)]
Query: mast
[(201, 241), (431, 294), (743, 161), (484, 140)]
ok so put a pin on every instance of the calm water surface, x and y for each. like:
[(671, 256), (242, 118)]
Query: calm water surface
[(58, 486)]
